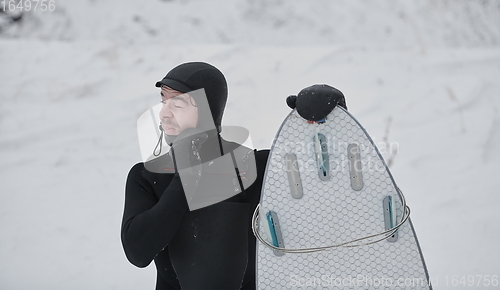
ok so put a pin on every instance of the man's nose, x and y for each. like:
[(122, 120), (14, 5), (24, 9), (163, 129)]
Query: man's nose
[(166, 111)]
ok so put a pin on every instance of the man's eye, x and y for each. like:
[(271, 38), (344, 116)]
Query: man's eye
[(179, 104)]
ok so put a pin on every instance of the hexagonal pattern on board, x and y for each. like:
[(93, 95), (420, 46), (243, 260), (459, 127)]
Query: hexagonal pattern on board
[(332, 212)]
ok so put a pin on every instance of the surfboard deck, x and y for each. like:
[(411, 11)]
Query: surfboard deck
[(326, 183)]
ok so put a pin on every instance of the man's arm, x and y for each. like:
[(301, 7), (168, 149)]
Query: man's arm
[(253, 198), (149, 224)]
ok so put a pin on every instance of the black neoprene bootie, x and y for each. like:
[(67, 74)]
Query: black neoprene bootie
[(314, 103)]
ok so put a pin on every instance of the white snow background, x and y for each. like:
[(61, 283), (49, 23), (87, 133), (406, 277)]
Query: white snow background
[(422, 75)]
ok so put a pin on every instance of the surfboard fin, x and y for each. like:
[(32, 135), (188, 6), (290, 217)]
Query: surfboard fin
[(390, 219), (274, 228), (322, 158), (292, 170), (355, 167)]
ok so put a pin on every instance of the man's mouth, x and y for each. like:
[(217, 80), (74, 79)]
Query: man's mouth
[(168, 127)]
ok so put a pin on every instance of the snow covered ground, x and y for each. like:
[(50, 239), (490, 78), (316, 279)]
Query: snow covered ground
[(423, 76)]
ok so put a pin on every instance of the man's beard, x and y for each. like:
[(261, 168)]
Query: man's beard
[(169, 138)]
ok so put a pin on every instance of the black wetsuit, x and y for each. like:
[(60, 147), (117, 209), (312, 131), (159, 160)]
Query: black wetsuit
[(208, 248)]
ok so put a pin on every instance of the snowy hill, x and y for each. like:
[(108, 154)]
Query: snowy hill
[(422, 76), (267, 22)]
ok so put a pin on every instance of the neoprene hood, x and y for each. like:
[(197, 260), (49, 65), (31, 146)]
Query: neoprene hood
[(192, 76)]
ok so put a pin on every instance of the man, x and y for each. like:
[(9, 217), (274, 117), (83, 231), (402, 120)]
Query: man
[(211, 247)]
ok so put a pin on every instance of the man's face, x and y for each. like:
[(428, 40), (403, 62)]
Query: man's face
[(179, 111)]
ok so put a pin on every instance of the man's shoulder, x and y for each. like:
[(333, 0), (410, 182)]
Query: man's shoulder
[(262, 152), (159, 165), (229, 146), (261, 156), (137, 169)]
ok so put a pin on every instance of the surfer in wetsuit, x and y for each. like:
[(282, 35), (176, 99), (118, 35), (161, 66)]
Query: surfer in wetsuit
[(208, 248)]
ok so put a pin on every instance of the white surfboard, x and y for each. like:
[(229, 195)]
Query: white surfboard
[(326, 184)]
